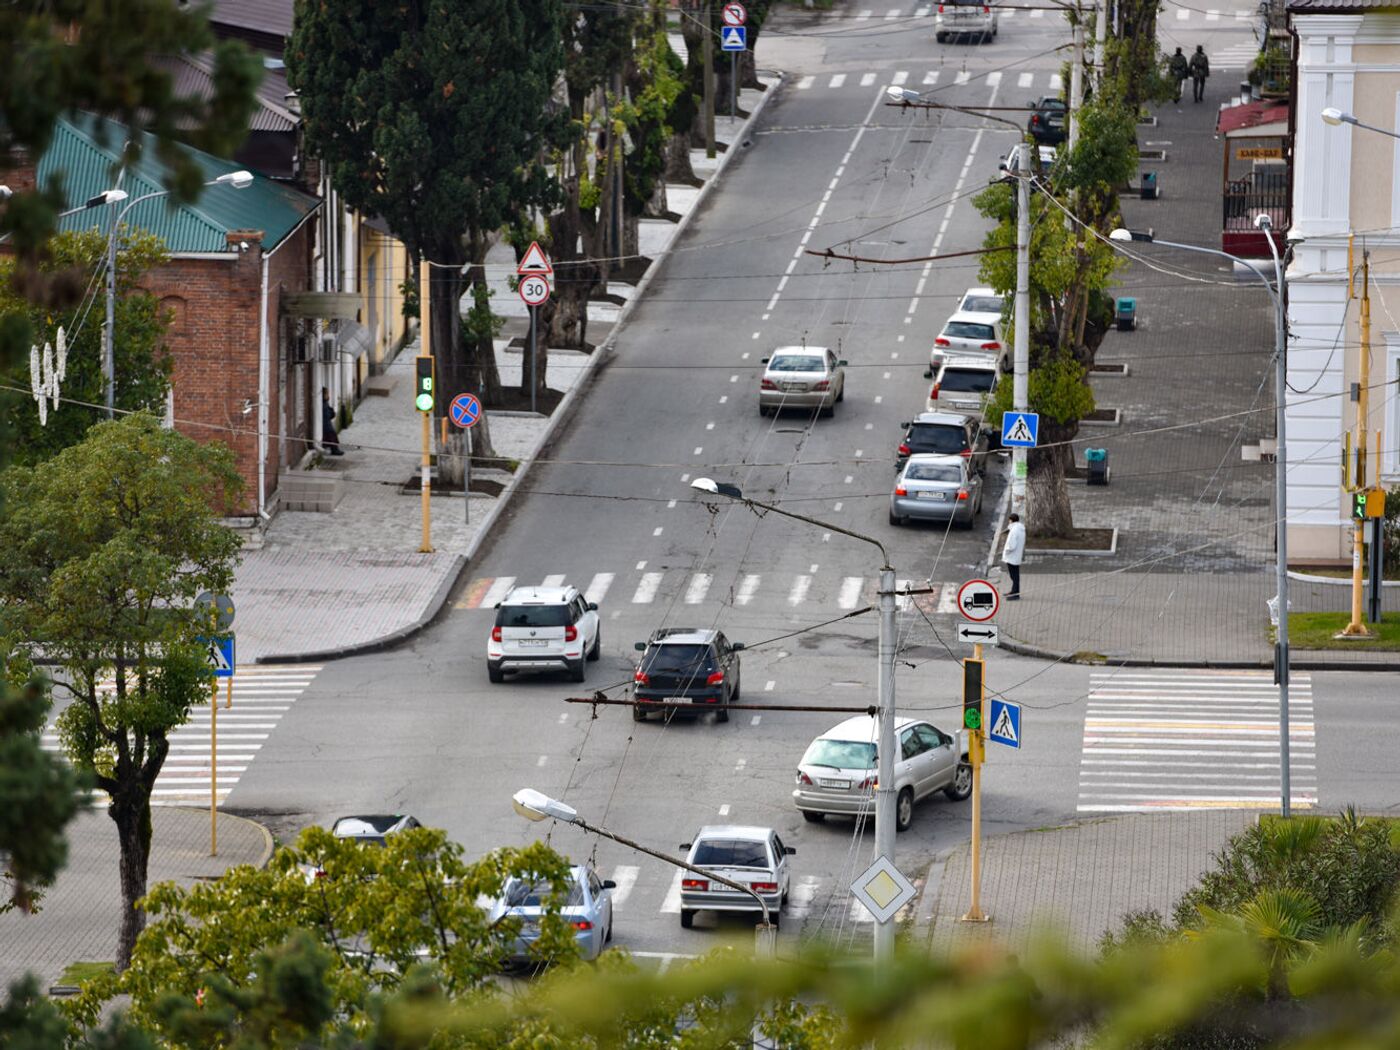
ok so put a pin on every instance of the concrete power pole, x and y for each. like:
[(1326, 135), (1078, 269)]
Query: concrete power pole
[(1100, 39), (1021, 361), (1076, 84), (709, 59), (884, 755)]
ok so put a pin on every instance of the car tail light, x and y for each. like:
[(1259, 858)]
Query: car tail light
[(583, 924), (768, 384), (904, 449), (570, 633), (962, 494), (764, 887), (940, 341), (933, 394), (940, 9), (991, 346), (495, 634), (715, 679), (868, 783), (803, 778), (695, 884), (824, 384), (642, 678), (986, 10), (966, 453), (901, 491)]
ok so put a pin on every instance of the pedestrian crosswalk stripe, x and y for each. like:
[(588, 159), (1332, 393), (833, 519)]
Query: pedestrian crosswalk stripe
[(699, 586), (993, 79), (672, 904), (850, 592), (647, 588), (747, 588), (963, 77), (598, 587), (837, 80), (625, 876), (1057, 82), (931, 78), (555, 580), (800, 586), (867, 79), (899, 78), (497, 591)]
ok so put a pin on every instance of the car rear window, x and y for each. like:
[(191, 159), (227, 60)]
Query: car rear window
[(522, 894), (796, 363), (532, 616), (730, 853), (933, 472), (977, 380), (967, 330), (981, 304), (840, 754), (677, 657), (936, 437)]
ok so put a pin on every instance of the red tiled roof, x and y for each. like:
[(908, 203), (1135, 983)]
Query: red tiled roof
[(1251, 115)]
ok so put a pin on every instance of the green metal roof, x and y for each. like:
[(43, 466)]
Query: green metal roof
[(86, 150)]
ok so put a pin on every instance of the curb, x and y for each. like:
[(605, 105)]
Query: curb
[(563, 412), (1295, 664)]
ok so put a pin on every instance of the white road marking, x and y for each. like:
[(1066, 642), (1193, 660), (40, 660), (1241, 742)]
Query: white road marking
[(554, 580), (963, 77), (899, 78), (563, 718), (850, 592), (647, 588), (672, 904), (1024, 80), (625, 875), (768, 686), (931, 78), (671, 504), (866, 80), (598, 587), (801, 896), (497, 591), (541, 760), (993, 79), (948, 598), (723, 398), (755, 720), (1056, 82), (805, 82), (837, 80), (724, 810), (658, 530), (740, 764), (799, 590), (699, 586), (836, 506), (747, 588), (698, 449)]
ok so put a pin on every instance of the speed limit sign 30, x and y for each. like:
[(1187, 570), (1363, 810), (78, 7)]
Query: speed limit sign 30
[(534, 290)]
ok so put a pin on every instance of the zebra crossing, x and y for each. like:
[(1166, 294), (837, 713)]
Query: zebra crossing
[(1181, 740), (683, 587), (1050, 82), (261, 696)]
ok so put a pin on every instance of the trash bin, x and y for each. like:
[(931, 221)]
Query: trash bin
[(1096, 463), (1125, 313), (1149, 186)]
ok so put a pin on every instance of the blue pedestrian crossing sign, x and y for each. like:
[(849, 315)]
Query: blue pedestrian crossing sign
[(1020, 429), (1005, 725), (734, 38), (218, 653)]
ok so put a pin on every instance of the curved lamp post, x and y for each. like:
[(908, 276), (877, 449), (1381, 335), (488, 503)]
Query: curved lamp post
[(1334, 116)]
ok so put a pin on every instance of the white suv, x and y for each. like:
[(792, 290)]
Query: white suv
[(544, 629)]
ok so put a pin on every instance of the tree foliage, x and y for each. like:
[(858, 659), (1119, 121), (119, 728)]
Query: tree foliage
[(142, 362), (107, 545)]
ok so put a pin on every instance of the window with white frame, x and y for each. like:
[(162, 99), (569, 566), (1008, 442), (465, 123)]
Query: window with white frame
[(1390, 398)]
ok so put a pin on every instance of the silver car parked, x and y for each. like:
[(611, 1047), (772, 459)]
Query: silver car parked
[(751, 856), (804, 377), (837, 773), (586, 904), (937, 488)]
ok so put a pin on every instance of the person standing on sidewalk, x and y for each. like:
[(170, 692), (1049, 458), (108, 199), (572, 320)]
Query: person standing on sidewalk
[(1179, 70), (1013, 553), (330, 440), (1200, 69)]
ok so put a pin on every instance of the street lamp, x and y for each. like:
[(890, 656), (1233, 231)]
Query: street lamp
[(1335, 117), (105, 197), (239, 180), (1265, 223), (885, 745), (536, 806)]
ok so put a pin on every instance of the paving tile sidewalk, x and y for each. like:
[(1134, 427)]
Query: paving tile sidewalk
[(1080, 879), (321, 585), (78, 918)]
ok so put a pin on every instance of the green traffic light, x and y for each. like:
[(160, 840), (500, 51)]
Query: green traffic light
[(972, 718), (424, 402)]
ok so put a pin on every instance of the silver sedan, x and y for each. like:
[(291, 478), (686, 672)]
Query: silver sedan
[(751, 856), (802, 377), (936, 488)]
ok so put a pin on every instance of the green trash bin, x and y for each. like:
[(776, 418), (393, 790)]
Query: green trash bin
[(1096, 463)]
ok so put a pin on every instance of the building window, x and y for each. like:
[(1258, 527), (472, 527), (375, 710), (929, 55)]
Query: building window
[(1390, 397)]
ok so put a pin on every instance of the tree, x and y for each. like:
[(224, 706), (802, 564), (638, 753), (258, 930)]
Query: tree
[(66, 55), (142, 363), (436, 116), (107, 544)]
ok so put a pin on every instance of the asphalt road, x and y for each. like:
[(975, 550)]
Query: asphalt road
[(420, 729)]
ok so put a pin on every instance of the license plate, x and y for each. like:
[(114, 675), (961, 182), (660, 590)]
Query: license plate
[(929, 495), (824, 782), (678, 700), (534, 641), (793, 388)]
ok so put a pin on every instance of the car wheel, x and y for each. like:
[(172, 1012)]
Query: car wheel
[(786, 890), (687, 918), (775, 918), (841, 394), (829, 410), (941, 37), (597, 649), (494, 672), (638, 715), (608, 938), (904, 810), (961, 787), (895, 519), (577, 670), (738, 686), (722, 712), (813, 818), (762, 410)]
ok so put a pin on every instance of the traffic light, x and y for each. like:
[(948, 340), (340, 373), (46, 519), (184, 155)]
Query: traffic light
[(423, 388), (1358, 504), (972, 694)]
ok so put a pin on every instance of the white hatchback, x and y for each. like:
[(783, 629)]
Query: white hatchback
[(970, 333), (543, 629)]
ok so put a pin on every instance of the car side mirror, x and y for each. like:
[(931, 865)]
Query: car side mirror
[(928, 373), (791, 851), (608, 884), (592, 606), (641, 647), (736, 646), (841, 363), (905, 423), (685, 846), (763, 360)]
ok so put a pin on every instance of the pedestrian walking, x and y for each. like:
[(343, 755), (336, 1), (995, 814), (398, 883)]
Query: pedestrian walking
[(1014, 553), (330, 440), (1200, 69), (1179, 70)]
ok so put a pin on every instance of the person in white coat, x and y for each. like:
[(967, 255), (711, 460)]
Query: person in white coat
[(1014, 553)]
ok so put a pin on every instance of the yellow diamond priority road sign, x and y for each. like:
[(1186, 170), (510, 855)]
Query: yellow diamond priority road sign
[(883, 889)]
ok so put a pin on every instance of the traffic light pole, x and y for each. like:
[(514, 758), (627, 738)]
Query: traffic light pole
[(1355, 628), (425, 328), (976, 752)]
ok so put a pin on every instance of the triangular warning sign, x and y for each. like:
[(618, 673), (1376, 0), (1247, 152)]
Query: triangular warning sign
[(1005, 728), (1019, 431), (535, 260)]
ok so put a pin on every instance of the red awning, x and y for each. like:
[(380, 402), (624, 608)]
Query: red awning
[(1261, 119)]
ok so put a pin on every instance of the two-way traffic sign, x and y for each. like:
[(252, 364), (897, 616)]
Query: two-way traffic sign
[(982, 633)]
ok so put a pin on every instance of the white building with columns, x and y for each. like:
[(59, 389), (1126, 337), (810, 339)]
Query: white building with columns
[(1346, 182)]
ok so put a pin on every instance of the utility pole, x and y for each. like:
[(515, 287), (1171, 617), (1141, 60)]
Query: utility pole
[(1100, 39), (885, 751), (1076, 84), (109, 360), (1357, 629), (1021, 362), (709, 59)]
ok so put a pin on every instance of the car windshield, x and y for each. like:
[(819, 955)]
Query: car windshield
[(730, 853), (796, 363), (971, 379), (532, 616), (933, 472), (840, 754), (967, 330), (934, 437), (981, 304), (521, 894), (681, 658)]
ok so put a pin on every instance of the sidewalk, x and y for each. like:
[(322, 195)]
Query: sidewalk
[(322, 585), (1194, 561), (1079, 879), (78, 917)]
